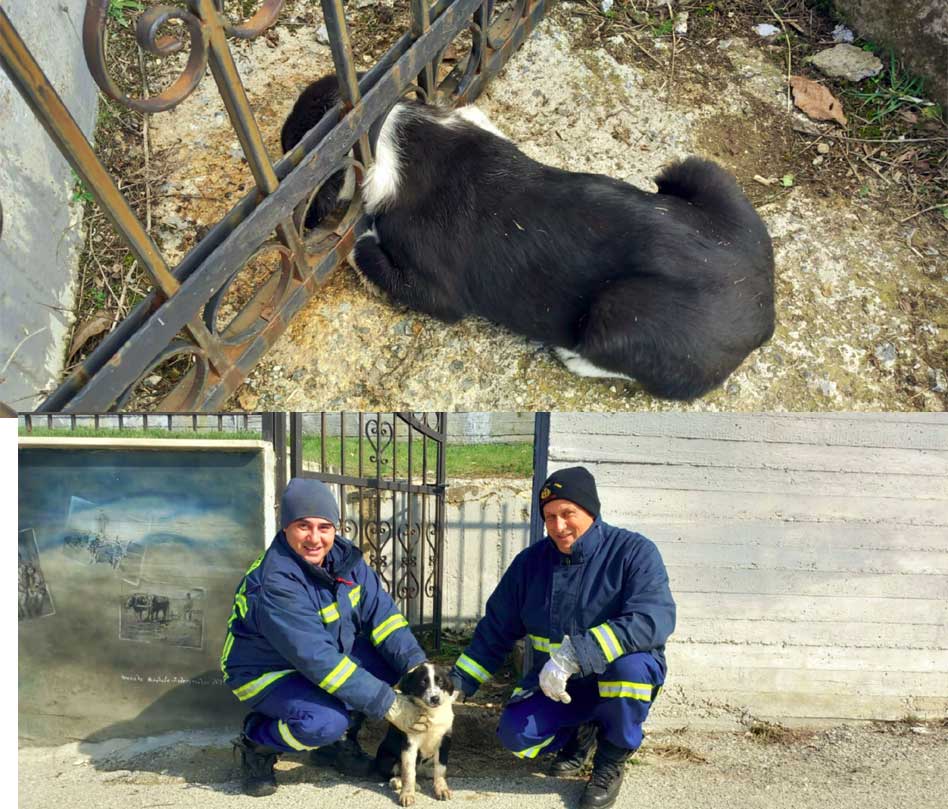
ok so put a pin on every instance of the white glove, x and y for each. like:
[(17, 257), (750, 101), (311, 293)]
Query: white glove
[(406, 715), (558, 669)]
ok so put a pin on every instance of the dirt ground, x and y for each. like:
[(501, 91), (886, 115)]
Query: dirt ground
[(861, 245), (896, 765)]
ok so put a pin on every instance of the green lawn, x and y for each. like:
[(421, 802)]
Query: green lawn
[(461, 461)]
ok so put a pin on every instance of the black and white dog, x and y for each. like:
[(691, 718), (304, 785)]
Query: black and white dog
[(401, 755), (673, 288)]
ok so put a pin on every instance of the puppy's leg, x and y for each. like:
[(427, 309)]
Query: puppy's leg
[(369, 262), (441, 791), (583, 367), (409, 757)]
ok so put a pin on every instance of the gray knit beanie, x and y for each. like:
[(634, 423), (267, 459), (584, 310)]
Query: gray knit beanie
[(305, 497)]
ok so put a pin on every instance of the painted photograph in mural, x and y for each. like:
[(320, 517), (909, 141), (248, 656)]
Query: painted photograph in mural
[(157, 612), (33, 597), (96, 535)]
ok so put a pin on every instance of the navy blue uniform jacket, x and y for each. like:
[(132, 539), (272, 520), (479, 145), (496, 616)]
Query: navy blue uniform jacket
[(610, 595), (290, 616)]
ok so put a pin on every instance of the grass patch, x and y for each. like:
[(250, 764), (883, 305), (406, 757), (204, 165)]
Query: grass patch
[(675, 752), (774, 733), (461, 460), (151, 432)]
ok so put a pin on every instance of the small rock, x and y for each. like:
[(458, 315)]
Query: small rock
[(248, 400), (640, 17), (766, 30), (365, 3), (606, 6), (939, 380), (847, 62), (681, 23), (823, 148), (618, 39), (920, 729), (818, 161), (842, 34), (153, 380), (322, 35), (827, 387), (886, 354), (456, 366)]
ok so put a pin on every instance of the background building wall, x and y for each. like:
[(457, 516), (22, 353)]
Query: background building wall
[(808, 555)]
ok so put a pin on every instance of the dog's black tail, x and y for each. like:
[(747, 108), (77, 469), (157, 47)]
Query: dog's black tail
[(712, 189)]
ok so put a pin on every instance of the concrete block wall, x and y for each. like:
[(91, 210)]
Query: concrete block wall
[(808, 555), (41, 238)]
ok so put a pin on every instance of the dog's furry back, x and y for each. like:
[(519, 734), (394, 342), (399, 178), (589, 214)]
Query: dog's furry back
[(673, 288)]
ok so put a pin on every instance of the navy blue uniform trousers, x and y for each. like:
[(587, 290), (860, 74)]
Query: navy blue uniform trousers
[(295, 714), (618, 700)]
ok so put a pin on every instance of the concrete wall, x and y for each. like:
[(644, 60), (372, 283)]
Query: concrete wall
[(41, 237), (808, 555), (916, 29)]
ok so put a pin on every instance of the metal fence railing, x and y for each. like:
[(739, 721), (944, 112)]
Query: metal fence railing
[(177, 324)]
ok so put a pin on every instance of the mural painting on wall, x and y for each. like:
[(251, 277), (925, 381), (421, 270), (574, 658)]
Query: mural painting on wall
[(95, 535), (33, 597), (156, 612)]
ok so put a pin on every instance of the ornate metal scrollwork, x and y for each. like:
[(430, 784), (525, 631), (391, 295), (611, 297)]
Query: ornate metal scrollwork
[(254, 316), (184, 395), (146, 33), (147, 28), (380, 435), (431, 544)]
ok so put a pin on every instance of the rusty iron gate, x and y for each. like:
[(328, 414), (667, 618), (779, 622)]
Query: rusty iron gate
[(179, 320), (388, 470)]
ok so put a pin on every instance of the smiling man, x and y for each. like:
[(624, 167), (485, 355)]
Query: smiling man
[(593, 601), (314, 645)]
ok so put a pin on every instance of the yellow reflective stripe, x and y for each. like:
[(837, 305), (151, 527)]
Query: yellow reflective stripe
[(291, 740), (531, 752), (254, 687), (472, 667), (387, 627), (624, 688), (240, 602), (329, 614), (338, 675), (227, 644), (608, 641), (355, 594), (543, 644)]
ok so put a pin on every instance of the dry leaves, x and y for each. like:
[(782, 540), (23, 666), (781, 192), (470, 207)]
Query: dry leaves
[(816, 101), (98, 323)]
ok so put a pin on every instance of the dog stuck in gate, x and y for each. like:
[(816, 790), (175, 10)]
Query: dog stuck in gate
[(673, 289), (401, 756)]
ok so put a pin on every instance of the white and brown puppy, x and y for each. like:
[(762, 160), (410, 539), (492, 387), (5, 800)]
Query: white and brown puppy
[(403, 755), (673, 288)]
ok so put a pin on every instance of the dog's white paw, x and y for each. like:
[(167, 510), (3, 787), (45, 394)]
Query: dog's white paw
[(441, 791), (583, 367), (406, 798), (395, 783)]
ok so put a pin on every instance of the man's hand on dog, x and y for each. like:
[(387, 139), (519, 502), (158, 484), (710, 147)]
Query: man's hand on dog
[(407, 716)]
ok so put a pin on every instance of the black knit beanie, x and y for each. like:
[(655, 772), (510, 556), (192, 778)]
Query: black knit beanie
[(574, 483), (305, 497)]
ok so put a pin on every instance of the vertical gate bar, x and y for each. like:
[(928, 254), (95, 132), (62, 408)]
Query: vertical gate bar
[(296, 445), (322, 441), (394, 446), (278, 428), (144, 421), (47, 106), (96, 422), (362, 532), (420, 22), (234, 96), (72, 422), (411, 512), (341, 46), (194, 423), (121, 420), (29, 423), (439, 525), (342, 471), (378, 501)]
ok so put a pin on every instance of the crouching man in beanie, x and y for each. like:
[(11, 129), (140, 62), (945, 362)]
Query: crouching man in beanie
[(594, 603), (313, 646)]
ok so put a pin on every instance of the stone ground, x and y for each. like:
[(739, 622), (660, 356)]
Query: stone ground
[(896, 765), (862, 289)]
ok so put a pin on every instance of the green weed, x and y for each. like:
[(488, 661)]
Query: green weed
[(119, 10)]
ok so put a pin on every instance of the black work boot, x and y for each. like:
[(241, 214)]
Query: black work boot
[(256, 767), (608, 768), (346, 755), (572, 756)]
